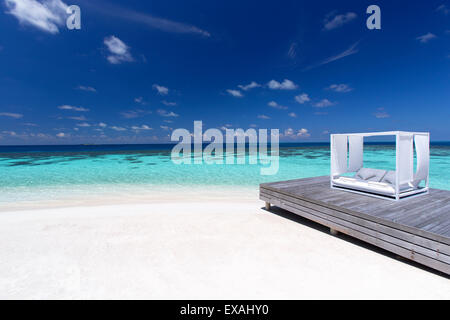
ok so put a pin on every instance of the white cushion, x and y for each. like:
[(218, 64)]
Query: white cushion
[(368, 174), (365, 173), (368, 186), (389, 177), (347, 180), (415, 183)]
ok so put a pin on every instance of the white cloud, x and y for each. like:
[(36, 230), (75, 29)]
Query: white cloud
[(324, 103), (118, 128), (78, 118), (289, 132), (235, 93), (285, 85), (249, 86), (87, 88), (42, 135), (142, 127), (303, 133), (165, 127), (426, 37), (118, 51), (351, 50), (161, 90), (138, 100), (11, 115), (45, 15), (292, 115), (73, 108), (131, 114), (381, 114), (443, 9), (292, 52), (275, 105), (168, 103), (302, 98), (165, 113), (10, 133), (337, 21), (340, 87), (61, 135), (83, 125), (102, 125), (148, 20), (168, 25), (263, 116)]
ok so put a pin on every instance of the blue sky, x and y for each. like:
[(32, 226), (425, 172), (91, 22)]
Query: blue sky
[(136, 70)]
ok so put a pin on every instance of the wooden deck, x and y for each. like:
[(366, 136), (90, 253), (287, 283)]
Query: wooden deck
[(416, 228)]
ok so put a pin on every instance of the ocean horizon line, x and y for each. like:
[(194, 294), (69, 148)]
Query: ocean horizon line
[(435, 142), (6, 150)]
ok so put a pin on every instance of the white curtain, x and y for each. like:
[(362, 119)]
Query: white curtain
[(405, 158), (356, 150), (422, 143), (339, 155)]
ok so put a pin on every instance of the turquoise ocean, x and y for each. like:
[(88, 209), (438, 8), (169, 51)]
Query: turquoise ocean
[(31, 173)]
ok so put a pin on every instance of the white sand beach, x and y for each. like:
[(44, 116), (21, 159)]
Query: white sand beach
[(213, 248)]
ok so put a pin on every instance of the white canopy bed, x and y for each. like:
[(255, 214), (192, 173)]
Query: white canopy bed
[(348, 172)]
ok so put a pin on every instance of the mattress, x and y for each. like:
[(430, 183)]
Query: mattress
[(382, 188)]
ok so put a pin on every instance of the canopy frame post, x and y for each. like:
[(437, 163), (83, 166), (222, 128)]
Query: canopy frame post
[(397, 165)]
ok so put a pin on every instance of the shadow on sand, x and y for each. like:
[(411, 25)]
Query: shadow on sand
[(321, 228)]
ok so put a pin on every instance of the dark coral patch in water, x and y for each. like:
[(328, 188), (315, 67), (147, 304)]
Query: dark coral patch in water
[(21, 163)]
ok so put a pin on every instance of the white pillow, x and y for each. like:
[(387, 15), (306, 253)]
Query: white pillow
[(415, 183), (389, 177), (368, 174), (365, 173)]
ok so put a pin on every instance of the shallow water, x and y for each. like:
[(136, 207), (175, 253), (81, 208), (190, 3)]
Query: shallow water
[(42, 173)]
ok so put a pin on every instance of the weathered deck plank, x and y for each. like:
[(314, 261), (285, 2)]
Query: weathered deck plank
[(421, 241), (416, 228)]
